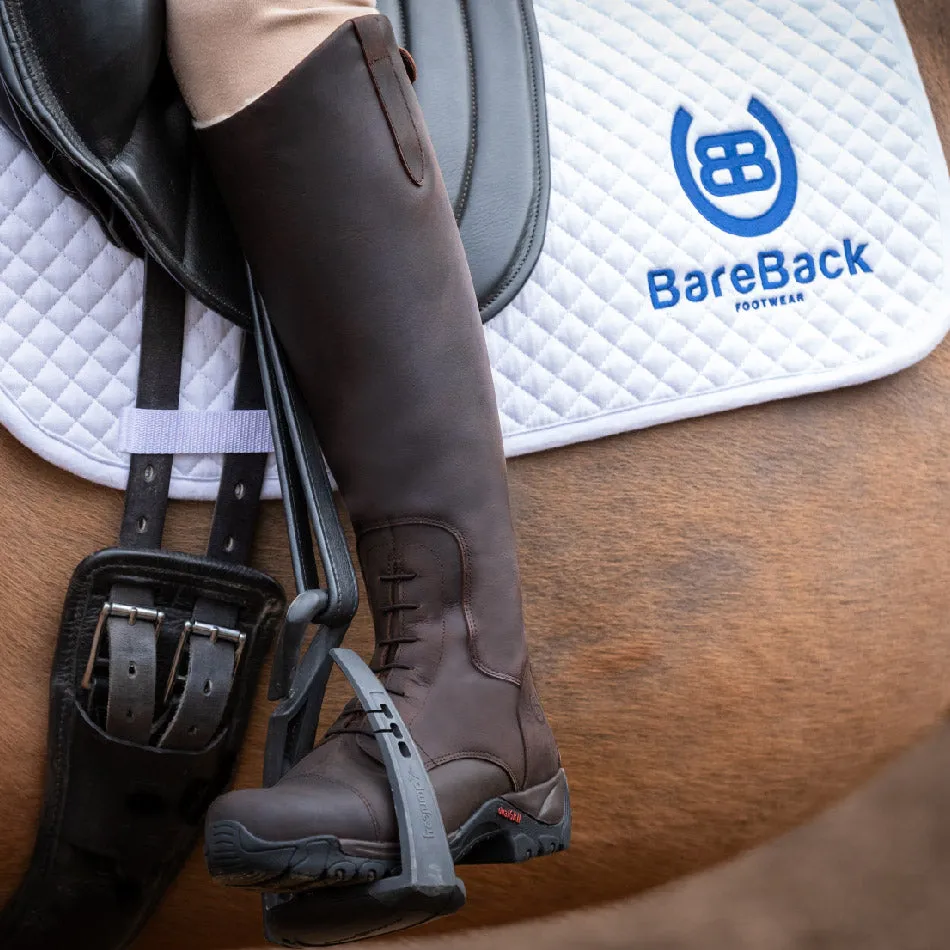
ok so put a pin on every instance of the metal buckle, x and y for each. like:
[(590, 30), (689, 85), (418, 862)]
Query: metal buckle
[(132, 614), (214, 633)]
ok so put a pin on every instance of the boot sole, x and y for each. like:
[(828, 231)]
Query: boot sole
[(499, 832)]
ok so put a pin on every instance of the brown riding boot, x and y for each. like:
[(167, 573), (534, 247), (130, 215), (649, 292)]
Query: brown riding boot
[(333, 185)]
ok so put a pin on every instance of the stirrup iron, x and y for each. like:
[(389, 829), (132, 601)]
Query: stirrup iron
[(426, 886)]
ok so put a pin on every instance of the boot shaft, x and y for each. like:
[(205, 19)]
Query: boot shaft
[(335, 190)]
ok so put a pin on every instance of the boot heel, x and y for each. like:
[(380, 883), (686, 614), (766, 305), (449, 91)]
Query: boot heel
[(502, 831)]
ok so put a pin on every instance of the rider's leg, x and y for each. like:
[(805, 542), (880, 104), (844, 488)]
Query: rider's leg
[(337, 198), (226, 53)]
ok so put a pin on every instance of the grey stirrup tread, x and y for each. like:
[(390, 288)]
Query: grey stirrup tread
[(90, 91)]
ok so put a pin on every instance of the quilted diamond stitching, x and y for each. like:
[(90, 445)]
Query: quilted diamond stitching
[(581, 346), (587, 57)]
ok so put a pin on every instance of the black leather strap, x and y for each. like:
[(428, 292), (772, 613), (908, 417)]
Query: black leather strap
[(163, 343), (211, 644), (132, 657), (299, 676), (215, 647), (133, 671), (307, 493), (242, 475), (198, 702)]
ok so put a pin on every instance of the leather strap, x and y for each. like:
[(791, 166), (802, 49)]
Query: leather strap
[(132, 658), (309, 504), (163, 343), (384, 66), (199, 701), (242, 475), (213, 658), (133, 670)]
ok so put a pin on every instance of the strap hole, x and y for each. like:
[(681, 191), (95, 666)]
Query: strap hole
[(207, 688), (404, 749), (149, 473), (192, 730), (142, 524), (230, 544), (131, 669), (239, 490), (396, 731), (386, 710)]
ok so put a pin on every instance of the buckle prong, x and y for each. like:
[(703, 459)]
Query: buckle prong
[(131, 613)]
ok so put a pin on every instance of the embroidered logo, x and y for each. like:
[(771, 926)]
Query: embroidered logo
[(735, 164), (745, 182)]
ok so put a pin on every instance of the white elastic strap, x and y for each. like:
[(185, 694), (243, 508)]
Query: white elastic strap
[(180, 432)]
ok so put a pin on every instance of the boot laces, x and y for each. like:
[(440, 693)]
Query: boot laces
[(383, 645)]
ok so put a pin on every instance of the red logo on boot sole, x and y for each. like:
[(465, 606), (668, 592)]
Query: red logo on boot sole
[(510, 814)]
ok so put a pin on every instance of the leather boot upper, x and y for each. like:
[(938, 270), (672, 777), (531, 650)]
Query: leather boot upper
[(337, 196)]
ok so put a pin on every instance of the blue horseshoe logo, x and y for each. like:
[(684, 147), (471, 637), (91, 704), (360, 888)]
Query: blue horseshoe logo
[(732, 162)]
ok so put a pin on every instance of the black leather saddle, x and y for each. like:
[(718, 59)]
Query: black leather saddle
[(89, 89)]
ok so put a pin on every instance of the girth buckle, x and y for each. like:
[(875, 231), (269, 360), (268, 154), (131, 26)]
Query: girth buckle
[(130, 613), (196, 628)]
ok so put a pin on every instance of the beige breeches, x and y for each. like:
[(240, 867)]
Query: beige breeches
[(227, 53)]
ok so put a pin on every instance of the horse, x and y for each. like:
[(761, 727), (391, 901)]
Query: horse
[(735, 620)]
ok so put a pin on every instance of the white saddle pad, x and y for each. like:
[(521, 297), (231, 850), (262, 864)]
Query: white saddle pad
[(749, 202)]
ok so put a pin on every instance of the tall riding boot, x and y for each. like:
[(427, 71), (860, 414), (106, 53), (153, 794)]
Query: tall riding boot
[(338, 200)]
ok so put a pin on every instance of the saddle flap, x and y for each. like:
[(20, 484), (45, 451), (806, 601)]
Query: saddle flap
[(100, 62)]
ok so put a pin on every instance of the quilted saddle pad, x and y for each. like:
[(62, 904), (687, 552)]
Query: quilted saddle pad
[(749, 202)]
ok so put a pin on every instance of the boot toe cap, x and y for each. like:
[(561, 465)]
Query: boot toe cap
[(289, 812)]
